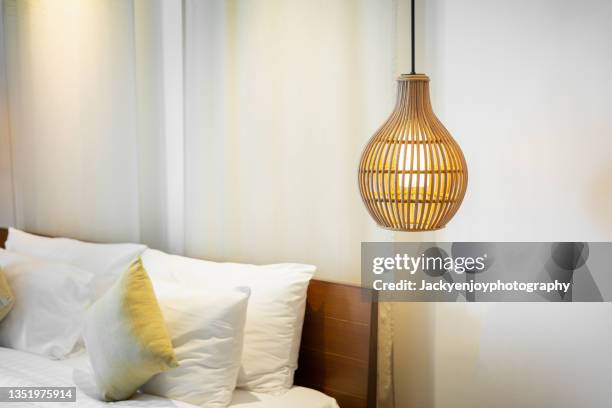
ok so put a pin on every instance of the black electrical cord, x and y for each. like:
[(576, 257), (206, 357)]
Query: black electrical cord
[(412, 33)]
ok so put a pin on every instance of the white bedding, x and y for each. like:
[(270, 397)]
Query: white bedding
[(20, 369)]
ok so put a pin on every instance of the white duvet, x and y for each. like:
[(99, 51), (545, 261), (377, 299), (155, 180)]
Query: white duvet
[(20, 369)]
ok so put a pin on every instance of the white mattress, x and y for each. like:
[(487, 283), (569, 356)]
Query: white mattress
[(20, 369)]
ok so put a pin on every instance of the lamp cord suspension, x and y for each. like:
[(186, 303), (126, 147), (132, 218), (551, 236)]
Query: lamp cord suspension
[(412, 173), (412, 72)]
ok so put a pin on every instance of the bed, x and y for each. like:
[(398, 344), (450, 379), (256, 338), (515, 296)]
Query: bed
[(23, 369), (337, 360)]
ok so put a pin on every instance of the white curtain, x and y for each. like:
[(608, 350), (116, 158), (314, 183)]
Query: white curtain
[(221, 129), (87, 123), (70, 69), (227, 130), (281, 96), (7, 215)]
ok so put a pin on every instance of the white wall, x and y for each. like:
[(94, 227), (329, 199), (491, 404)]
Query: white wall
[(525, 88)]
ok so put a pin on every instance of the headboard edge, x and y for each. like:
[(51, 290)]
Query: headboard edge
[(3, 236)]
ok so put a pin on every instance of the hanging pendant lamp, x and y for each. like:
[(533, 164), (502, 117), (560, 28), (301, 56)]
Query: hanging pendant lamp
[(412, 173)]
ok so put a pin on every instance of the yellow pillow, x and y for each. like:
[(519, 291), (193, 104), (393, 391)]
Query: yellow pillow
[(126, 336), (7, 299)]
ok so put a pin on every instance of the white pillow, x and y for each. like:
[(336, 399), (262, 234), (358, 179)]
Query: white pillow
[(126, 336), (275, 312), (50, 304), (106, 261), (207, 330)]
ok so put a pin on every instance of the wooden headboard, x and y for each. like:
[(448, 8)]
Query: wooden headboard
[(339, 342)]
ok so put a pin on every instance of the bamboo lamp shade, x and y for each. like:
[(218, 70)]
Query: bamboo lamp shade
[(412, 173)]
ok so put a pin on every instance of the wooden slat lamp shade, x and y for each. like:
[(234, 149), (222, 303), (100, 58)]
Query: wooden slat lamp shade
[(412, 173)]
